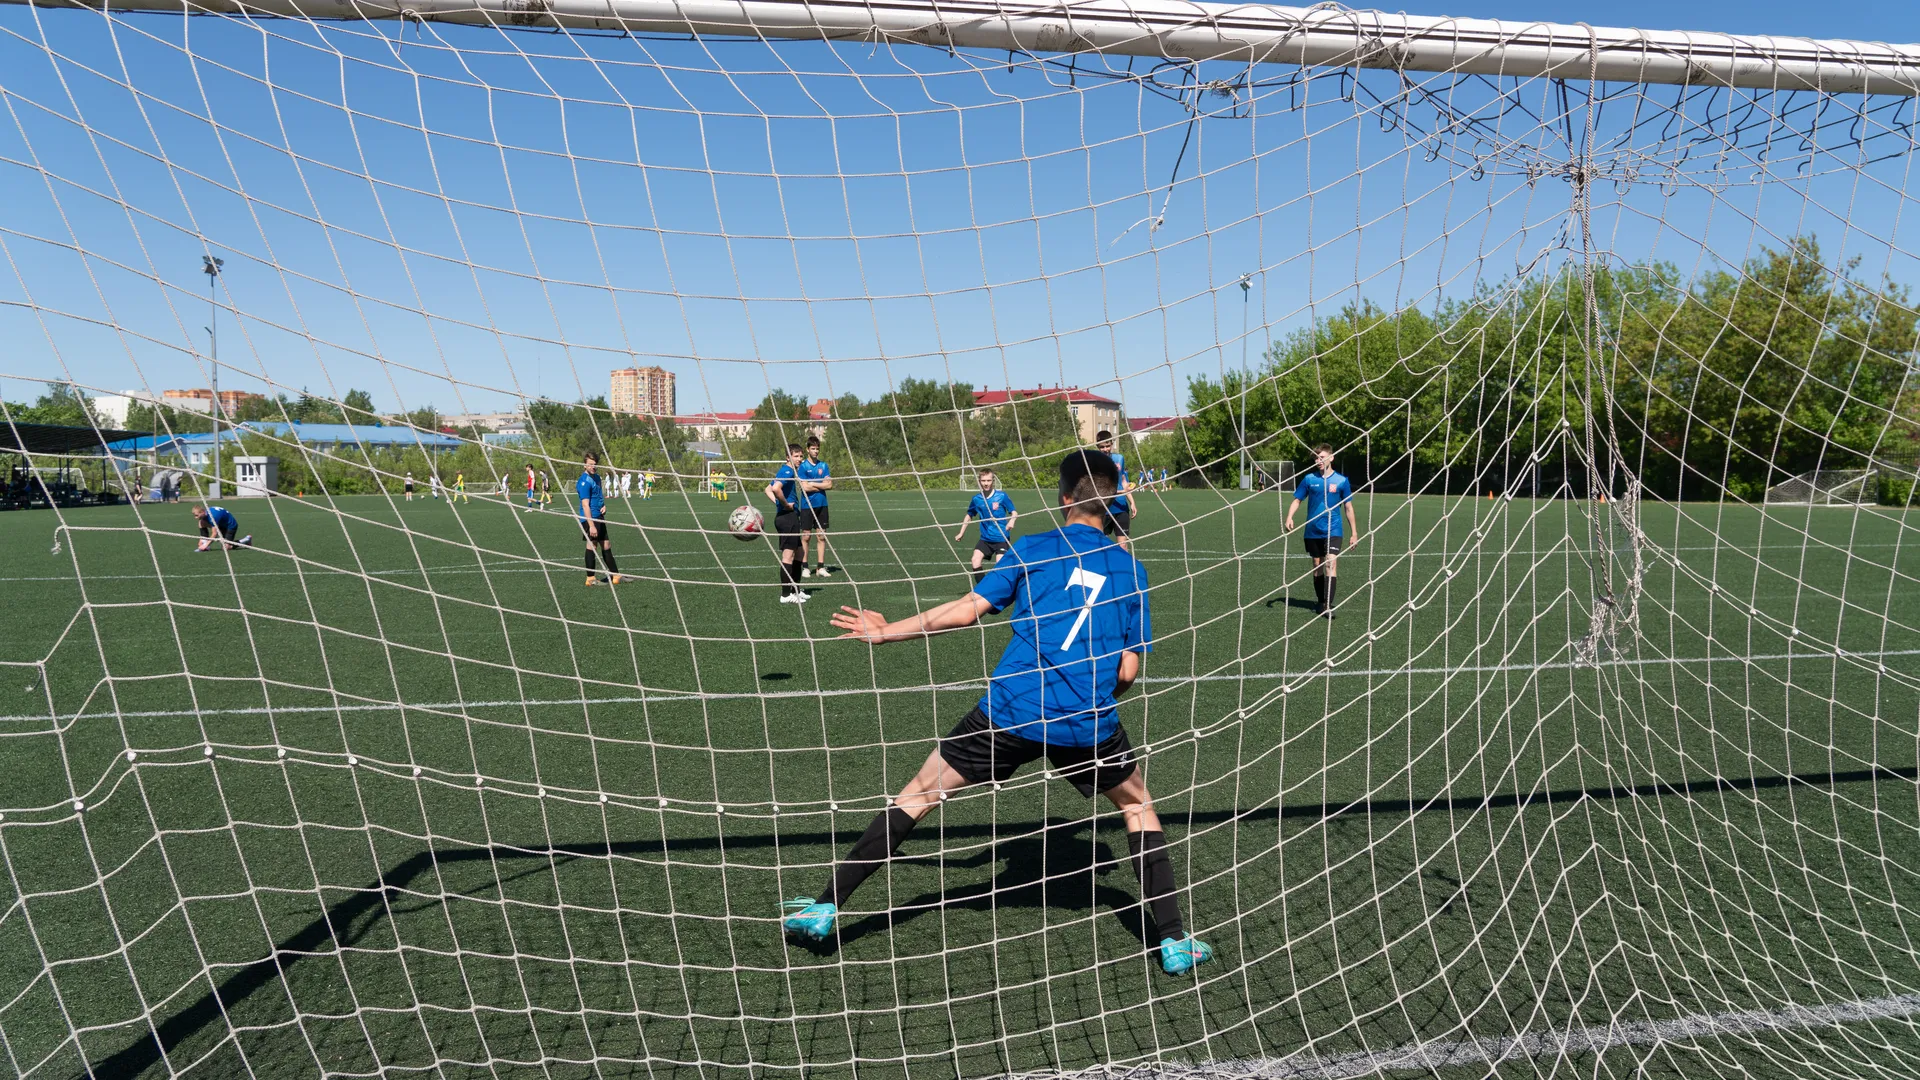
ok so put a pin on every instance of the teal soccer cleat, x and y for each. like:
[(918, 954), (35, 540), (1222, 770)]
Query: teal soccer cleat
[(808, 919), (1179, 956)]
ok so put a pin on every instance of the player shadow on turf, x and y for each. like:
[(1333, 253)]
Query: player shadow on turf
[(1294, 602), (1060, 867)]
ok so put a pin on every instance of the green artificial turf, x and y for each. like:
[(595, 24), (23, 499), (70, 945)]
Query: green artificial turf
[(522, 827)]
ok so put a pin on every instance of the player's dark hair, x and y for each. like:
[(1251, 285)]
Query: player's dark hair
[(1104, 436), (813, 441), (1088, 480), (1323, 448), (793, 448), (591, 456)]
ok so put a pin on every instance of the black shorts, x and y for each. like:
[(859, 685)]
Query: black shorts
[(814, 518), (602, 522), (789, 526), (992, 549), (980, 751), (1122, 521), (1322, 546), (226, 534), (409, 487)]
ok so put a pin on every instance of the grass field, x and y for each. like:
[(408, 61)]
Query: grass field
[(395, 794)]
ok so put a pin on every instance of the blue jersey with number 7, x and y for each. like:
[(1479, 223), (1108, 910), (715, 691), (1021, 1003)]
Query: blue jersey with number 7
[(1079, 601)]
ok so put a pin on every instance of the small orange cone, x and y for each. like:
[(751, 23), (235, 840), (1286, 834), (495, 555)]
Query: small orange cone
[(1489, 496)]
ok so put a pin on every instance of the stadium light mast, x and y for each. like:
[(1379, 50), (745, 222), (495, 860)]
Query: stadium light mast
[(210, 266), (1246, 384)]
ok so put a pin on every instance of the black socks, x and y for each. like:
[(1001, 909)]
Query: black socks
[(590, 566), (1320, 590), (606, 556), (1155, 870), (1332, 583), (789, 578), (883, 837)]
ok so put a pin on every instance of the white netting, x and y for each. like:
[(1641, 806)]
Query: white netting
[(1606, 768)]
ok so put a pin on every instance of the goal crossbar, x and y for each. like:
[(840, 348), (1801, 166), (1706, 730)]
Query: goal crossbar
[(1183, 30)]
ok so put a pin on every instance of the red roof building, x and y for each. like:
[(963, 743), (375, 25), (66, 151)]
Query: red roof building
[(1091, 412), (1143, 428)]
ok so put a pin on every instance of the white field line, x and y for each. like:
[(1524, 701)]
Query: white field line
[(533, 565), (954, 687), (1557, 1043)]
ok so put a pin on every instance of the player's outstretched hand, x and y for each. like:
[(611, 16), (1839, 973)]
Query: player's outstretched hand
[(860, 625)]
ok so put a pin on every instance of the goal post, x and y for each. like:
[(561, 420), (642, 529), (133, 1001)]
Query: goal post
[(1827, 487), (393, 792)]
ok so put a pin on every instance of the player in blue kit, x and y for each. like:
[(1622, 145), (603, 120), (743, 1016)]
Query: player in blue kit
[(1120, 509), (817, 479), (789, 495), (1080, 627), (590, 493), (1326, 493), (994, 510), (212, 519)]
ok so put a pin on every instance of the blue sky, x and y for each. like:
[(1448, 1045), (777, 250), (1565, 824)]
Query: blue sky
[(469, 218)]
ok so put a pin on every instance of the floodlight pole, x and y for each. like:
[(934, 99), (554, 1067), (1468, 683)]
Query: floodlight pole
[(210, 266), (1246, 384)]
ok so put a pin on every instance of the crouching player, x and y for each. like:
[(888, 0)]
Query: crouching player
[(218, 519), (1080, 626)]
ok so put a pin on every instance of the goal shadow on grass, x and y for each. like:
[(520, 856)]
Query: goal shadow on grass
[(1047, 865)]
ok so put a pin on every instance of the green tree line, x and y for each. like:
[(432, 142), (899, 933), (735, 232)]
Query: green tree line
[(1721, 388)]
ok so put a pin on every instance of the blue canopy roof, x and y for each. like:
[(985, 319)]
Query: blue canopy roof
[(315, 435)]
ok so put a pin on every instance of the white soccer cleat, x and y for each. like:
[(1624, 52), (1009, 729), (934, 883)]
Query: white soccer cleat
[(824, 572), (791, 598), (247, 540), (806, 572)]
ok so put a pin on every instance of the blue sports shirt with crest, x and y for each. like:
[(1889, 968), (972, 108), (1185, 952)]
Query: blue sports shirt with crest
[(814, 470), (1324, 496), (993, 511)]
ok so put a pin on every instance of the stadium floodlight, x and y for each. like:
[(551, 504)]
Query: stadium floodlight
[(1614, 779), (1246, 384), (210, 265)]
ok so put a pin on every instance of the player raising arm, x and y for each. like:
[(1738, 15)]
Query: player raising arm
[(1080, 626), (1326, 494), (994, 509), (591, 492), (1120, 509)]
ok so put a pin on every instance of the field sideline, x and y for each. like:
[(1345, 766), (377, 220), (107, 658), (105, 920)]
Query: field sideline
[(483, 815)]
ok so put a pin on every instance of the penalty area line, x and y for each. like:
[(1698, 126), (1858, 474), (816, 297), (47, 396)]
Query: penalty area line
[(672, 697), (1554, 1043)]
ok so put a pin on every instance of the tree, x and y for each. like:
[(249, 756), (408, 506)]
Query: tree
[(358, 407)]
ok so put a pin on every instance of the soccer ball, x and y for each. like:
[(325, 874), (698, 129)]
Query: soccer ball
[(746, 523), (203, 545)]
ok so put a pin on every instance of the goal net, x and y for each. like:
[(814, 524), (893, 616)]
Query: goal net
[(1828, 487), (1612, 775)]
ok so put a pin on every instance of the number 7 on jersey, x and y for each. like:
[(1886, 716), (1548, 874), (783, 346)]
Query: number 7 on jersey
[(1093, 583)]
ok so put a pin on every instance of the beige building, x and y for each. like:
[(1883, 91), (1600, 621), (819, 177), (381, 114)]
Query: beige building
[(646, 391), (1092, 413)]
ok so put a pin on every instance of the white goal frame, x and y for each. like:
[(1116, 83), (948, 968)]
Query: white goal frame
[(1826, 487)]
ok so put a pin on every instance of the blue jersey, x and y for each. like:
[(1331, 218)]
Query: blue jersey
[(788, 478), (1119, 502), (1324, 496), (993, 511), (221, 518), (1079, 602), (815, 470), (590, 490)]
